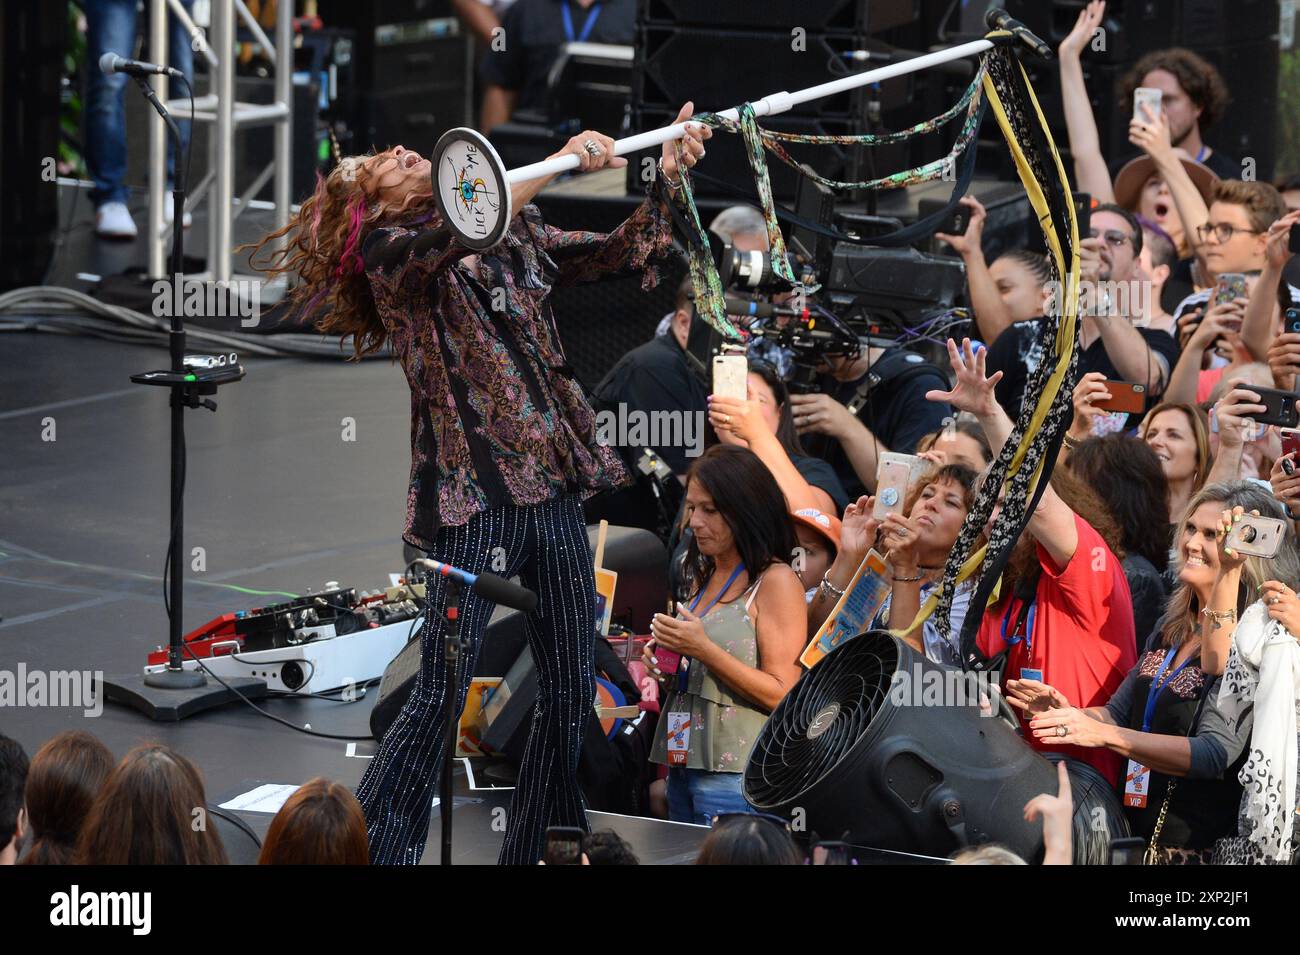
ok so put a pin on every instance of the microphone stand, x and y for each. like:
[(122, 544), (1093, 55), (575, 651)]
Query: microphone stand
[(188, 390), (175, 676), (452, 645)]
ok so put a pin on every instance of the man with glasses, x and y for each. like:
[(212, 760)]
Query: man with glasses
[(1115, 338), (1235, 238)]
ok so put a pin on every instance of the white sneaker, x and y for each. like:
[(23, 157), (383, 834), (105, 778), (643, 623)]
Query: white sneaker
[(187, 220), (113, 221)]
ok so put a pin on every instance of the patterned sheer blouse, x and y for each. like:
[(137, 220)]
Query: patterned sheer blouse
[(497, 415)]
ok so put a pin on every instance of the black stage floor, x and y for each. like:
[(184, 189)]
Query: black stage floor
[(276, 498)]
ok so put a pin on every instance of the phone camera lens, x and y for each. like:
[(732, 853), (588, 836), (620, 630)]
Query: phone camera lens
[(1247, 534)]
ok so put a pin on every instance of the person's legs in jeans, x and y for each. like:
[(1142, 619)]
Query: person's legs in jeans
[(561, 636), (679, 796), (397, 790), (180, 56), (713, 794), (110, 28)]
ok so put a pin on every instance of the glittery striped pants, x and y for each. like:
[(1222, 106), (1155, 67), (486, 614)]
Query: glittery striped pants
[(546, 545)]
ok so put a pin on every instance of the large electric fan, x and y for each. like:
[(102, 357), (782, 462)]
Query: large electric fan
[(855, 749)]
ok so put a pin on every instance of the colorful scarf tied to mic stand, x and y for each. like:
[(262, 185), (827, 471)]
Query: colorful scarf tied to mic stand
[(1025, 462)]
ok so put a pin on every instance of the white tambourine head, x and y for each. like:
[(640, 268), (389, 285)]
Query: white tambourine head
[(469, 186)]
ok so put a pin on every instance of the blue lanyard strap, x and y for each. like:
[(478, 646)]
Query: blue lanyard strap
[(681, 673), (1028, 635), (725, 587), (1154, 692), (586, 27)]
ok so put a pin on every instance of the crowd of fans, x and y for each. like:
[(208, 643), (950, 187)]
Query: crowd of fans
[(1131, 636)]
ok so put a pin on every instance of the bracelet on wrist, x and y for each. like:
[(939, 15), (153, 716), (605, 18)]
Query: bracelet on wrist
[(908, 580), (826, 583), (1219, 614), (668, 180)]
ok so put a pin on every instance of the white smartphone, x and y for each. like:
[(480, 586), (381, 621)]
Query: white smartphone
[(1257, 536), (1150, 97), (894, 476), (731, 376)]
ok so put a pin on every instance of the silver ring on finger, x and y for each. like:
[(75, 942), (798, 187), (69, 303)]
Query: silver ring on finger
[(1063, 730), (593, 148)]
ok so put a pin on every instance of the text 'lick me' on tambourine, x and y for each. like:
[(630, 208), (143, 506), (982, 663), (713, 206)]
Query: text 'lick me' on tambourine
[(471, 184)]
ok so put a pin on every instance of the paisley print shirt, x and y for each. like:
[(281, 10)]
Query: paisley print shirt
[(497, 415)]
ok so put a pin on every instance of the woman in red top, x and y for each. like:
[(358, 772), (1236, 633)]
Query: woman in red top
[(1064, 615)]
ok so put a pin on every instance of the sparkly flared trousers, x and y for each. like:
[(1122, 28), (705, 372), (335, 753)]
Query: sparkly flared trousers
[(546, 545)]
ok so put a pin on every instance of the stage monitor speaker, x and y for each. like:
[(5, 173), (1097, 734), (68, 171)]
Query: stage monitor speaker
[(1131, 27), (503, 641), (32, 37), (412, 70), (860, 748), (717, 68), (1249, 127), (815, 16), (1206, 25)]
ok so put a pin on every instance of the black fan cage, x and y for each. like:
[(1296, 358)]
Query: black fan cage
[(821, 720)]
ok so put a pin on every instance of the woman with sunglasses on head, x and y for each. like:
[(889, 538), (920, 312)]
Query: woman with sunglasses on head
[(741, 632), (503, 443), (1171, 717)]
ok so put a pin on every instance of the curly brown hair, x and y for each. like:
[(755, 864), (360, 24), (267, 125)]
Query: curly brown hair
[(322, 250), (1198, 77)]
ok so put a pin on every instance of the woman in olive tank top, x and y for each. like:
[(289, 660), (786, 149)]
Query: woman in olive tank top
[(739, 634)]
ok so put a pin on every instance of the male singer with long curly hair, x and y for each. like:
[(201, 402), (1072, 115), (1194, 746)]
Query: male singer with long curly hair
[(503, 445)]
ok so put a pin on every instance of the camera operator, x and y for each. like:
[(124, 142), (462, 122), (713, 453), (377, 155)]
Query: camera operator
[(661, 376), (866, 405)]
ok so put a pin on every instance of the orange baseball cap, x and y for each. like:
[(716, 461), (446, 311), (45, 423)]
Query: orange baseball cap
[(828, 525)]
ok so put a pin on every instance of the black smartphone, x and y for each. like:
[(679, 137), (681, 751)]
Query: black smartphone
[(1083, 212), (1280, 404), (563, 845), (1127, 851), (954, 223), (1291, 318), (1294, 242)]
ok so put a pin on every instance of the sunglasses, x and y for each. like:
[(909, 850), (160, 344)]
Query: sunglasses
[(1114, 237)]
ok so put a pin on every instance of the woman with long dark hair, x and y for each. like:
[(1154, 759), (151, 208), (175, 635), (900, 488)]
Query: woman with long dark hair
[(503, 445), (1155, 717), (145, 814), (741, 631), (66, 775)]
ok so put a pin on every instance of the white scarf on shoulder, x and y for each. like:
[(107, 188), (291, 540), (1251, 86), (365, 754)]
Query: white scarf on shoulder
[(1263, 671)]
